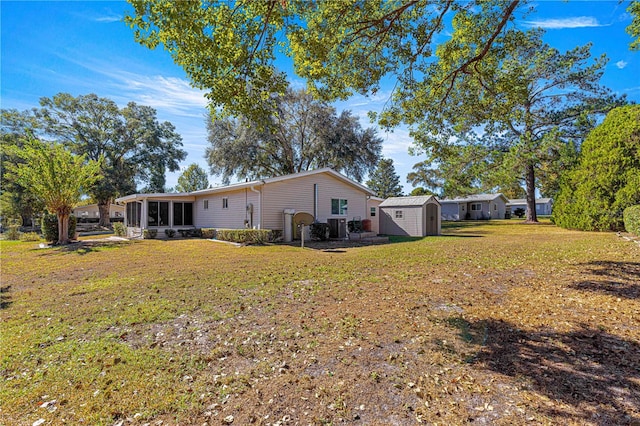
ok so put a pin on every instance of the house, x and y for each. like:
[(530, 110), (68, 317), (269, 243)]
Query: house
[(544, 206), (90, 212), (474, 207), (271, 203), (412, 216)]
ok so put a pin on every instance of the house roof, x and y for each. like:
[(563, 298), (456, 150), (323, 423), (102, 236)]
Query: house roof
[(420, 200), (472, 198), (524, 201), (254, 183)]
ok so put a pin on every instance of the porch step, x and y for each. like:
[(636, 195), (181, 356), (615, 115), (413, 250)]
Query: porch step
[(361, 235)]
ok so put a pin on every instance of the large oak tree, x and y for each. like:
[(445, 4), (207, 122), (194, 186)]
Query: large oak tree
[(133, 143)]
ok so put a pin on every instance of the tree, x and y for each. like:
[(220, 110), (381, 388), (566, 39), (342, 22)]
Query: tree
[(384, 181), (300, 134), (517, 107), (16, 200), (420, 191), (606, 179), (57, 177), (134, 145), (634, 28), (339, 47), (192, 179)]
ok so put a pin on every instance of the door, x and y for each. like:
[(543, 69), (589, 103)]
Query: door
[(431, 219)]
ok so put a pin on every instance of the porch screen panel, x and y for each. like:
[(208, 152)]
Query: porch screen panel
[(188, 214), (133, 214), (177, 214), (164, 214)]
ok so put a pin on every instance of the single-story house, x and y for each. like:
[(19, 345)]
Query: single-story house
[(474, 207), (91, 211), (269, 203), (544, 206), (412, 216)]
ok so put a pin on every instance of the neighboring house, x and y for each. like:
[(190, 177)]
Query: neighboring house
[(544, 206), (413, 216), (270, 203), (91, 211), (474, 207)]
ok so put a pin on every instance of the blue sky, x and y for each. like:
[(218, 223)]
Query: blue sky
[(84, 47)]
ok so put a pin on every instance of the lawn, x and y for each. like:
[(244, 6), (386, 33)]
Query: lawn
[(492, 323)]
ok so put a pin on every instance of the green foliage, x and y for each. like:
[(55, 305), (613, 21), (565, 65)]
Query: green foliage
[(192, 179), (170, 233), (29, 237), (208, 233), (300, 134), (244, 236), (634, 28), (631, 217), (133, 144), (519, 212), (384, 180), (58, 178), (119, 229), (12, 233), (50, 226), (149, 234), (606, 180), (415, 192)]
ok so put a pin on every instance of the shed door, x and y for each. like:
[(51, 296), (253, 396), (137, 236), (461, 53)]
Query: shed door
[(431, 219)]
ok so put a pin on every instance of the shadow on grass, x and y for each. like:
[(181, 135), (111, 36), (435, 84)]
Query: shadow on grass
[(5, 299), (85, 247), (595, 374), (620, 279)]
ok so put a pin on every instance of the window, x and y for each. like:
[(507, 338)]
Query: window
[(495, 207), (399, 214), (158, 213), (182, 214), (206, 204), (225, 203), (373, 212), (133, 214), (476, 207), (339, 206)]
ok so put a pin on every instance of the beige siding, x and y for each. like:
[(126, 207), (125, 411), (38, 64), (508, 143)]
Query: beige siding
[(232, 217), (375, 220), (298, 194), (411, 223)]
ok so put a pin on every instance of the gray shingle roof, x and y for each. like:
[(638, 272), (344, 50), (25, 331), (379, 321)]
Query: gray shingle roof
[(407, 201)]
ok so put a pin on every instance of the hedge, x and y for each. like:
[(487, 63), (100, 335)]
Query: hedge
[(50, 227), (631, 217), (243, 236)]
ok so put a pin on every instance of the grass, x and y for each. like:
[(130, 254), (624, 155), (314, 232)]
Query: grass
[(494, 322)]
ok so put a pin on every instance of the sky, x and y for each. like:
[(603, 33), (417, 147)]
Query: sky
[(84, 47)]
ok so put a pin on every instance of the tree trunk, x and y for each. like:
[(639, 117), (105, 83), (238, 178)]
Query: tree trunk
[(63, 228), (103, 210), (530, 179)]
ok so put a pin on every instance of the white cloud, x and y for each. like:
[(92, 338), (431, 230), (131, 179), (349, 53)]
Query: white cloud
[(108, 19), (621, 64), (558, 24)]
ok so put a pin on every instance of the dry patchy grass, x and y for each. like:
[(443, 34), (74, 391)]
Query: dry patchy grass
[(493, 323)]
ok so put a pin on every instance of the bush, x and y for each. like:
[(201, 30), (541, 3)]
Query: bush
[(632, 219), (244, 236), (30, 236), (119, 229), (519, 212), (169, 232), (50, 227), (13, 230), (319, 231), (208, 233), (149, 234)]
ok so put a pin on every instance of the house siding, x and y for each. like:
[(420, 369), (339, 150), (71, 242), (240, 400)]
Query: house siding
[(232, 217), (298, 194), (375, 220), (411, 223)]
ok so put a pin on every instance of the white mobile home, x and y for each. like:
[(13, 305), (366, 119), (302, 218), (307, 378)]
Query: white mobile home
[(270, 203), (544, 206), (474, 207)]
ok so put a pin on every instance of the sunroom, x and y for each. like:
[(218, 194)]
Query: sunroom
[(158, 212)]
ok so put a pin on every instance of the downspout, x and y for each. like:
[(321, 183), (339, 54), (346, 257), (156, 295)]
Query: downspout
[(260, 202), (315, 202)]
